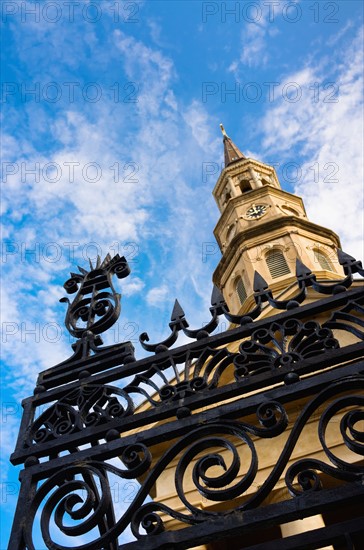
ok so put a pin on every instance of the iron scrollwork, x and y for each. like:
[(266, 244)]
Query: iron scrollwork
[(94, 310), (71, 488), (306, 470), (84, 407), (82, 491), (282, 345), (278, 345), (205, 447)]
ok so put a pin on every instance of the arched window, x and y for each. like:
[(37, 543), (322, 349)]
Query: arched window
[(323, 260), (240, 290), (245, 186), (276, 263)]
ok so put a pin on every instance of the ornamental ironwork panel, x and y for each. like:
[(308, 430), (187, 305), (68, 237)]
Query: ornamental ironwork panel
[(203, 411)]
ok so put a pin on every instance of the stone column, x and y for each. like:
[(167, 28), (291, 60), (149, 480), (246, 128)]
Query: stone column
[(256, 182)]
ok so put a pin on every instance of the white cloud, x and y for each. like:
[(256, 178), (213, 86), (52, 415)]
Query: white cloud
[(157, 72), (155, 31), (202, 131), (253, 45), (156, 296), (154, 135), (335, 38), (329, 133), (132, 285)]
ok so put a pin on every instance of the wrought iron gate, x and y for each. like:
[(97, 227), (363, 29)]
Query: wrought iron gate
[(217, 405)]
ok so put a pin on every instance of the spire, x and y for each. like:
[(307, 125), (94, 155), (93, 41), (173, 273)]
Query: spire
[(231, 152)]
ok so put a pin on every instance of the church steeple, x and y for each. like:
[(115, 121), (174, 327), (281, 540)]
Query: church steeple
[(264, 228), (232, 153)]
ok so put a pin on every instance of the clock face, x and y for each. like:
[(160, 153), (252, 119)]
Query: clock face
[(256, 211)]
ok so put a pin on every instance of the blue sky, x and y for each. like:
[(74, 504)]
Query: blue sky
[(111, 143)]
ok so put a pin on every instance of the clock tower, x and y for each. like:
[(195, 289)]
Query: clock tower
[(265, 229)]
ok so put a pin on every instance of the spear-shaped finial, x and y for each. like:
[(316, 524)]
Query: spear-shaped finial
[(223, 131)]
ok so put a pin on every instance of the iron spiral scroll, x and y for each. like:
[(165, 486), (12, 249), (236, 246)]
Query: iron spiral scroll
[(94, 309), (199, 451), (84, 407)]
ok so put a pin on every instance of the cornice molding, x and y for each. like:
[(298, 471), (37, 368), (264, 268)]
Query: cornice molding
[(263, 233), (238, 166)]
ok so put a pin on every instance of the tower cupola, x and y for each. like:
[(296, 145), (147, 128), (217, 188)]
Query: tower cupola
[(264, 228)]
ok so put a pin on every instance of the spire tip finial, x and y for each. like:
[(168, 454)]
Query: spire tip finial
[(223, 131)]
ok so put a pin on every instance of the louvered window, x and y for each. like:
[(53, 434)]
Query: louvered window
[(323, 261), (241, 291), (277, 264)]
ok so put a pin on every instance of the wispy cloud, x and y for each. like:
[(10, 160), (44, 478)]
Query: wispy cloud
[(157, 295), (256, 31), (149, 141), (326, 126)]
